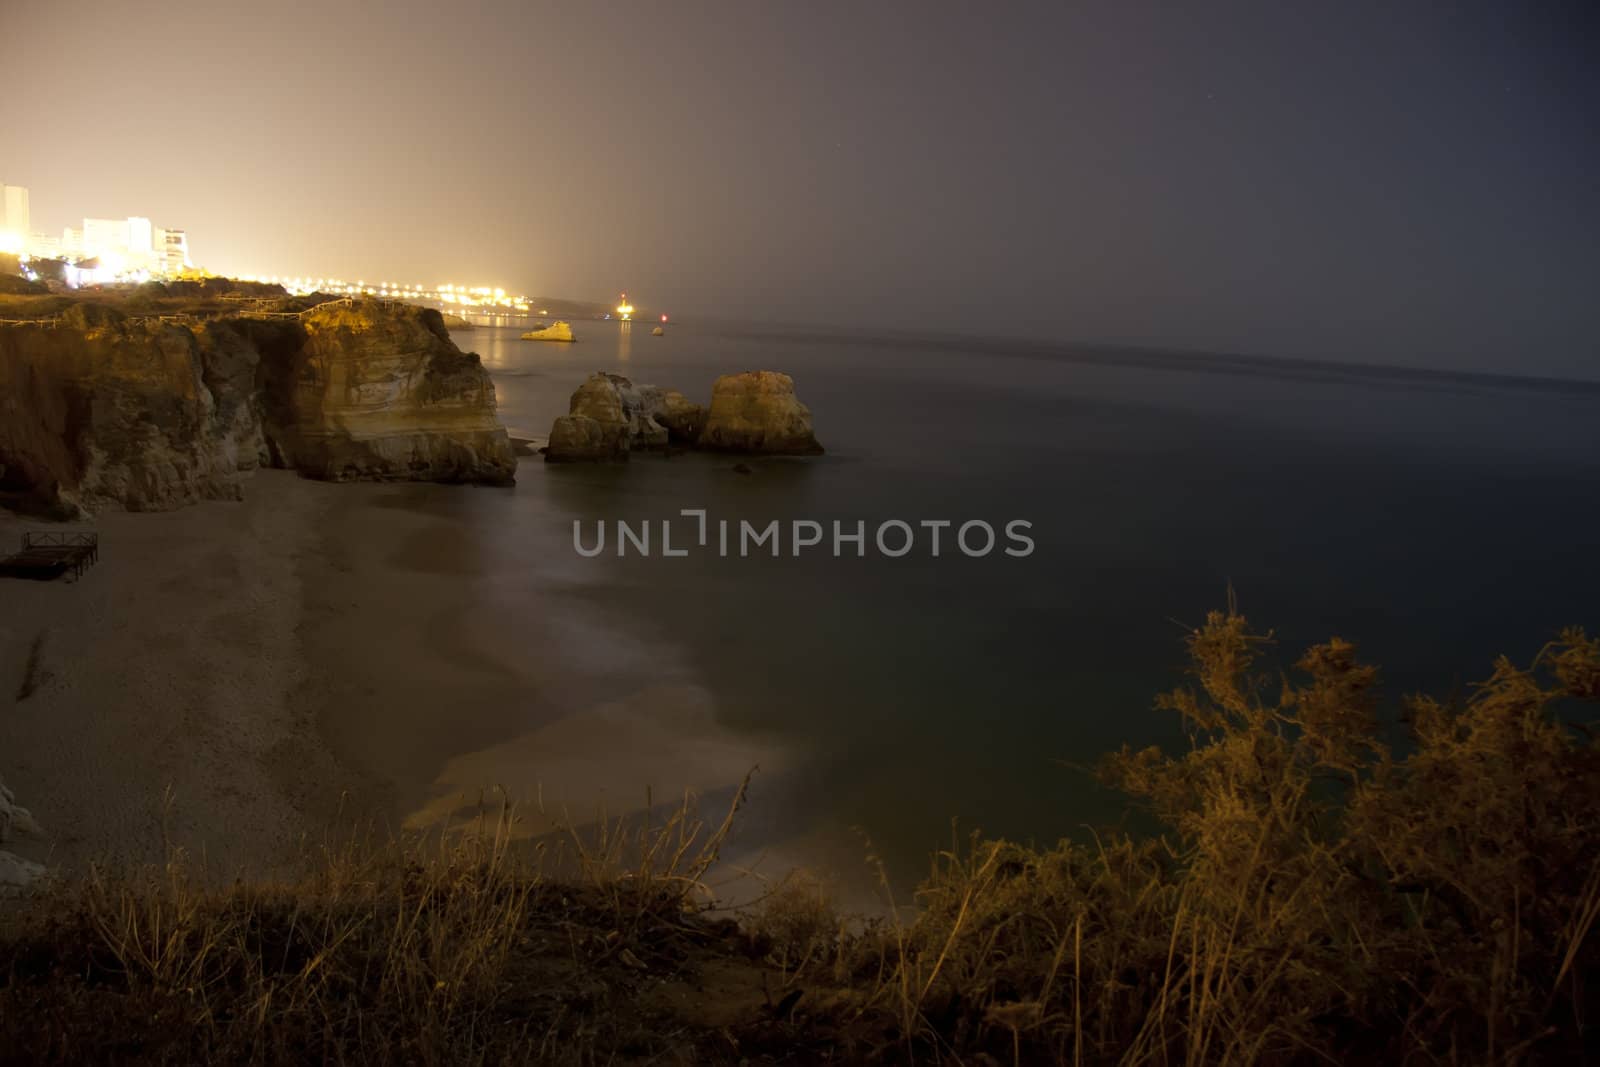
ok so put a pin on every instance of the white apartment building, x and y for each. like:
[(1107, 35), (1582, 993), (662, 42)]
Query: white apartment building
[(14, 219), (129, 246)]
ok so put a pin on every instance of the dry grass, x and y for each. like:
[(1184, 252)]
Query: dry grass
[(1317, 897), (452, 951)]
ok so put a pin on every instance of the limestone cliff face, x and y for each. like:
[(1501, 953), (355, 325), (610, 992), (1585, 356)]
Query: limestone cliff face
[(102, 411), (381, 392), (758, 412), (105, 410)]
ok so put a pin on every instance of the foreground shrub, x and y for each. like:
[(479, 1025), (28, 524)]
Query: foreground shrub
[(1315, 895)]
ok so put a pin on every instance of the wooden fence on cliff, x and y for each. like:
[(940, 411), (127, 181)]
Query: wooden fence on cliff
[(49, 324)]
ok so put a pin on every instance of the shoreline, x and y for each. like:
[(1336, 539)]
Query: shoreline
[(235, 679)]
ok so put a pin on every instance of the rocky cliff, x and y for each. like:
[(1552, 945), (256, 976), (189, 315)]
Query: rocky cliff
[(102, 409), (556, 331), (378, 392)]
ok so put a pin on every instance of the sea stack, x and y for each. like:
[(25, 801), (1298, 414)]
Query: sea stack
[(758, 412), (556, 331), (608, 417), (595, 427)]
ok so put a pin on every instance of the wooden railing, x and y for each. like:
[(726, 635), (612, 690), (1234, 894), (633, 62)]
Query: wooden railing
[(259, 312), (60, 539)]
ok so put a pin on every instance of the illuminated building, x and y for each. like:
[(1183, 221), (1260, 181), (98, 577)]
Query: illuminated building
[(141, 236), (172, 250), (14, 221), (132, 244), (102, 236)]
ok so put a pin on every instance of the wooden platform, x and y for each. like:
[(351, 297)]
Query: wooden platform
[(49, 554)]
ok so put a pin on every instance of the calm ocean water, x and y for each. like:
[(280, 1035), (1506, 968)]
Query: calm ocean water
[(1435, 520)]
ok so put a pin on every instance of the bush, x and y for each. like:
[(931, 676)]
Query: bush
[(1316, 895)]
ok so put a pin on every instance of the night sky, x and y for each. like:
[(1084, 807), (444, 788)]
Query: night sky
[(1399, 182)]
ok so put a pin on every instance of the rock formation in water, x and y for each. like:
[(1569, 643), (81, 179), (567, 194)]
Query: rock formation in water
[(684, 419), (579, 439), (15, 872), (595, 427), (609, 417), (101, 409), (556, 331), (758, 412)]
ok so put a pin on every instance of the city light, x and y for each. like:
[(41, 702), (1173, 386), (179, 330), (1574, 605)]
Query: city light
[(489, 299), (130, 250)]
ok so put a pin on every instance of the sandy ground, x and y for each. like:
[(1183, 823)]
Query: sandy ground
[(237, 678), (162, 706)]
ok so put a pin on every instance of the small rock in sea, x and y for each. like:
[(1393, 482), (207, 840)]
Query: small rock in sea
[(556, 331), (742, 468)]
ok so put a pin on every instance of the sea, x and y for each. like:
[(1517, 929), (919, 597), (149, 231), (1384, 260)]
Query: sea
[(1436, 519)]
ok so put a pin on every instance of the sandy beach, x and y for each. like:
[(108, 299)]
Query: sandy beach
[(236, 678), (163, 703)]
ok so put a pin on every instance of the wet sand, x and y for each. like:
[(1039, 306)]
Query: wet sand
[(445, 675), (234, 678)]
